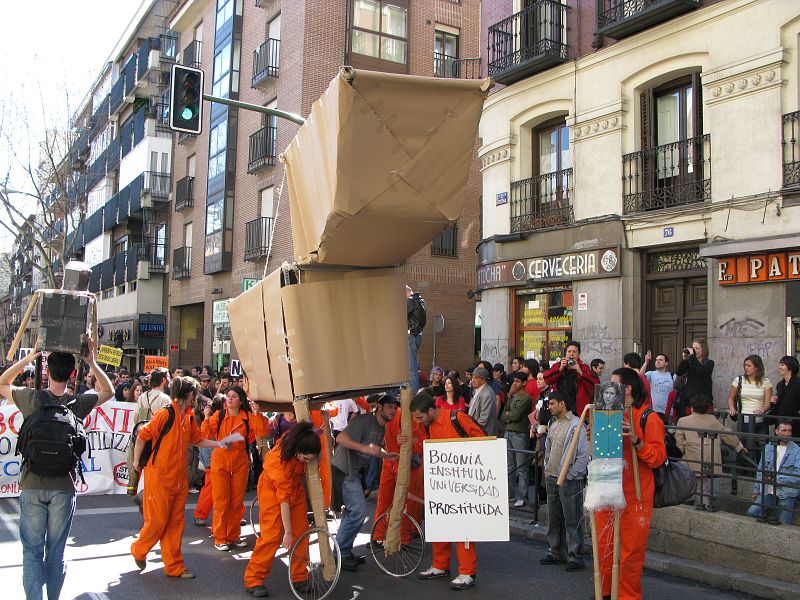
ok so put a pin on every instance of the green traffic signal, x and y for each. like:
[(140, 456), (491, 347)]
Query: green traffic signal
[(186, 98)]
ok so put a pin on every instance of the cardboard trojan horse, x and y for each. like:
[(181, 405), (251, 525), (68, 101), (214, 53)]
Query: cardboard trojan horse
[(378, 170)]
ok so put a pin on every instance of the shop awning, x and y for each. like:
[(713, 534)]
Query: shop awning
[(751, 246)]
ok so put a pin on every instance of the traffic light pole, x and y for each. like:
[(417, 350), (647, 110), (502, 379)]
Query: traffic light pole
[(255, 107)]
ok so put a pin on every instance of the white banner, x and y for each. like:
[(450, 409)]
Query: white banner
[(108, 430), (466, 491)]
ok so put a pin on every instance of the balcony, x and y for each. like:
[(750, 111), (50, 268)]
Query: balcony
[(117, 97), (113, 154), (169, 46), (107, 274), (129, 72), (791, 150), (94, 279), (262, 148), (528, 42), (159, 112), (154, 253), (93, 226), (135, 188), (620, 18), (451, 67), (542, 201), (100, 118), (256, 238), (446, 243), (156, 188), (182, 263), (191, 55), (119, 268), (110, 214), (184, 194), (674, 174), (265, 62)]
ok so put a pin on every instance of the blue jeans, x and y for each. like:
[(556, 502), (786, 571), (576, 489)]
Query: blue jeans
[(355, 511), (414, 342), (518, 464), (44, 522), (766, 504), (565, 518)]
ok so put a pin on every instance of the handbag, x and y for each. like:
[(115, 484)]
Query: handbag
[(738, 400), (675, 483)]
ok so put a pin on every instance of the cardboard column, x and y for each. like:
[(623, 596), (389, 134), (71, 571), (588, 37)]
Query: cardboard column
[(392, 542), (301, 410)]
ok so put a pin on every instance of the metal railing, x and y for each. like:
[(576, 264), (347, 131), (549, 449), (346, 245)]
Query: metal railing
[(456, 68), (791, 149), (184, 193), (182, 262), (99, 118), (169, 45), (157, 185), (537, 31), (113, 154), (446, 243), (191, 54), (262, 148), (611, 12), (130, 75), (266, 59), (256, 238), (674, 174), (542, 201)]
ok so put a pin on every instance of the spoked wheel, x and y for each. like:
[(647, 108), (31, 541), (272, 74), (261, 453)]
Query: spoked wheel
[(253, 515), (406, 560), (317, 586)]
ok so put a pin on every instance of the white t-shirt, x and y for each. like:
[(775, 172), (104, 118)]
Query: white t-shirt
[(661, 385), (346, 407), (780, 453), (752, 394)]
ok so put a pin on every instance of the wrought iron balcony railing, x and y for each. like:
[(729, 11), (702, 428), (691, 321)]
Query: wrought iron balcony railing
[(157, 185), (791, 149), (456, 68), (620, 18), (184, 193), (529, 41), (446, 243), (262, 148), (669, 175), (182, 263), (542, 201), (266, 59), (191, 54), (256, 238)]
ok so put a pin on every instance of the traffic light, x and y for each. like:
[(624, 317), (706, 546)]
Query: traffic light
[(186, 96)]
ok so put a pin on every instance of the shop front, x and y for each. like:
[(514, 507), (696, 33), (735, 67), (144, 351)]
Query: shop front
[(137, 336), (221, 334)]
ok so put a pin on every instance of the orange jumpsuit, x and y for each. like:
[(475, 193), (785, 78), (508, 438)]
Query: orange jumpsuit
[(204, 499), (279, 482), (165, 489), (635, 519), (442, 428), (324, 461), (416, 488), (229, 469)]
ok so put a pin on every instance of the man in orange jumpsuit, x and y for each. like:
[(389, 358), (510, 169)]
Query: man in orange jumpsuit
[(165, 483), (231, 466), (416, 488), (635, 519), (440, 426)]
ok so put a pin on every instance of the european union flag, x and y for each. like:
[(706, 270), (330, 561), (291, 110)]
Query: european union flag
[(607, 434)]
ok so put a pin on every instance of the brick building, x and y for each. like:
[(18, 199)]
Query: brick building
[(230, 221)]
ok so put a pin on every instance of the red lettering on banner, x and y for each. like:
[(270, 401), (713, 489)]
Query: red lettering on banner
[(12, 422), (2, 424)]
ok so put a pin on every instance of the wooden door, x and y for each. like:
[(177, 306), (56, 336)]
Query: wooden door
[(677, 312)]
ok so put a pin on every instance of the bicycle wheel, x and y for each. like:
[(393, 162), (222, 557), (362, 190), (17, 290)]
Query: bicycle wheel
[(253, 515), (317, 586), (406, 560)]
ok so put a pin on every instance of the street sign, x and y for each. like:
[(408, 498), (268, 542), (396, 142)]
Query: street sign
[(502, 198), (583, 301), (236, 368), (669, 232), (109, 355), (248, 282), (151, 362)]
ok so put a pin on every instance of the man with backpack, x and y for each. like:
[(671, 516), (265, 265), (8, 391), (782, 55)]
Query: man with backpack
[(415, 311), (51, 441)]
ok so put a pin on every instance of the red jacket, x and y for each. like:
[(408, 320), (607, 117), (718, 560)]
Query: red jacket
[(586, 382)]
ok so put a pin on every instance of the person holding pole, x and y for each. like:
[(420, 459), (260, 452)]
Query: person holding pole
[(446, 424)]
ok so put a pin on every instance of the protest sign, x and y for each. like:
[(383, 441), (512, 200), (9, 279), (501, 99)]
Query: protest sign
[(151, 362), (236, 368), (466, 491), (109, 355)]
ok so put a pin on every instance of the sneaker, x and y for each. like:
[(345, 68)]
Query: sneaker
[(762, 519), (259, 591), (351, 563), (194, 490), (140, 564), (222, 547), (433, 573), (243, 522), (519, 503), (238, 543), (573, 566), (774, 522), (375, 544), (200, 522), (302, 586), (462, 582), (550, 560), (186, 575)]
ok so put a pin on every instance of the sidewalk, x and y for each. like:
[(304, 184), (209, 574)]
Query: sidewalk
[(713, 575)]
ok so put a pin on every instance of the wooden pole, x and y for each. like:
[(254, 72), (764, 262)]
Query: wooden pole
[(615, 564), (392, 540), (635, 460), (598, 582), (327, 447), (302, 412), (26, 317), (572, 446)]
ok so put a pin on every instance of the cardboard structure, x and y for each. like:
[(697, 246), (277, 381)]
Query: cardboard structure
[(324, 332), (380, 167), (64, 321)]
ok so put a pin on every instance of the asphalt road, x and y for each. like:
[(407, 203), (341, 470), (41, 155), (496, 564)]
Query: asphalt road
[(100, 566)]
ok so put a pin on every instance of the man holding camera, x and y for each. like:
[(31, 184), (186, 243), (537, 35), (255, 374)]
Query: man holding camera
[(573, 376)]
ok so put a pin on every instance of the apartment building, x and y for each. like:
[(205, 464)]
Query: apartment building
[(231, 219), (640, 179)]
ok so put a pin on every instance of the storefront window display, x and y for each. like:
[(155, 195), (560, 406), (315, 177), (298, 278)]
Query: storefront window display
[(543, 323)]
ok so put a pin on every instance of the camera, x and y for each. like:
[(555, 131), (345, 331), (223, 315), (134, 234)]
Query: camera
[(570, 363), (687, 351)]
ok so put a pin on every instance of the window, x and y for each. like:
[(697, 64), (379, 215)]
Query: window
[(380, 30), (120, 245), (214, 220), (274, 28), (446, 243), (267, 205), (543, 323), (222, 67), (217, 140), (445, 53), (224, 12)]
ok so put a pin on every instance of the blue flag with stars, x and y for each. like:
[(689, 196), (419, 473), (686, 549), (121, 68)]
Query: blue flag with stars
[(607, 434)]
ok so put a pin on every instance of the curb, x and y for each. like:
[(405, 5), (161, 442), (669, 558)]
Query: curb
[(712, 575)]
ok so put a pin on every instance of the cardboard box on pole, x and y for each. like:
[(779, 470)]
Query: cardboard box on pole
[(330, 333)]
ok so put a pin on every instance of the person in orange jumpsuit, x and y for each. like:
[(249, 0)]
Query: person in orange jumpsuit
[(165, 483), (635, 519), (439, 425), (231, 466), (414, 505), (324, 460), (282, 506)]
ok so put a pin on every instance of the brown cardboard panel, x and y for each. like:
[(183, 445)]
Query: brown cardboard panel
[(389, 152), (246, 313), (346, 330), (276, 338)]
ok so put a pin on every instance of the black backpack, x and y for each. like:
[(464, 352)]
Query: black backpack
[(150, 450), (52, 439), (459, 427), (675, 483), (417, 318)]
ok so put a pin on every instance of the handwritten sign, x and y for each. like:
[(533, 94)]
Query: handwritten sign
[(109, 355), (466, 491), (236, 368), (151, 362)]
